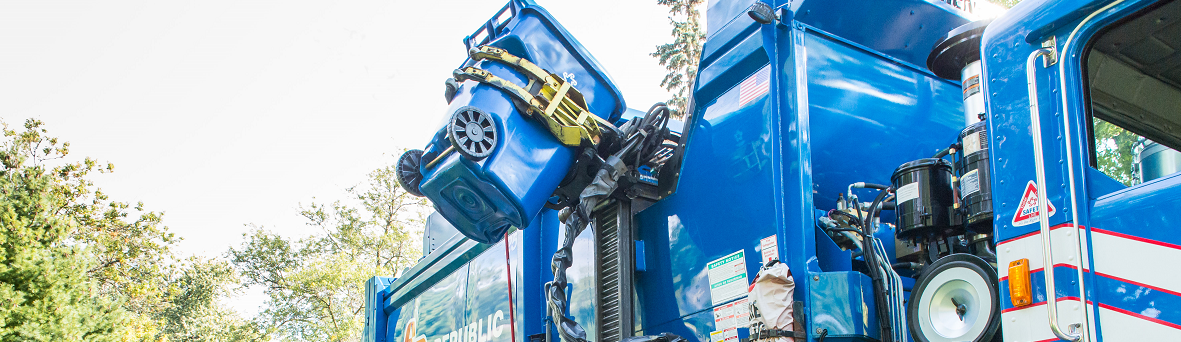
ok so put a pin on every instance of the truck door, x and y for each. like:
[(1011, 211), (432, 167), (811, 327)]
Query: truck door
[(1107, 84), (1130, 64), (1085, 115)]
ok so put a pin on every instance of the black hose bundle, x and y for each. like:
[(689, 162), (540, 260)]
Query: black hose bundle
[(644, 137), (863, 223)]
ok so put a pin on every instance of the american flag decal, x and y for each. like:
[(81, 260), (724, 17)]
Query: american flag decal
[(754, 86)]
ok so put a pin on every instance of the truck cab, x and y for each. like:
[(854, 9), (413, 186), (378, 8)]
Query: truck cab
[(1101, 81), (916, 174)]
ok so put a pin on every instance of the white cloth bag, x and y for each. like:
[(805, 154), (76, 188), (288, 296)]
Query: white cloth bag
[(772, 293)]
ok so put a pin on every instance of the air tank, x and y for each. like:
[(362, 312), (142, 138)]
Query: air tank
[(975, 189), (925, 199), (1155, 161)]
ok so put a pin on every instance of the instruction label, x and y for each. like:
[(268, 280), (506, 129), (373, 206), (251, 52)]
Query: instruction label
[(733, 315), (770, 248), (728, 335), (727, 277), (907, 192), (974, 143), (969, 183)]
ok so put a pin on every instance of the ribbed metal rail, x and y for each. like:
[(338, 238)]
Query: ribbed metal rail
[(609, 294)]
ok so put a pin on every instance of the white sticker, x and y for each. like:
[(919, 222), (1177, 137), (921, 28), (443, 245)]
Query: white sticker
[(1027, 211), (969, 183), (907, 192), (727, 277), (728, 335), (972, 143), (770, 247), (732, 315)]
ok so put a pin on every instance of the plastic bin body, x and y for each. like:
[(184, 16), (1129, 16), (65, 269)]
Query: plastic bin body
[(483, 198)]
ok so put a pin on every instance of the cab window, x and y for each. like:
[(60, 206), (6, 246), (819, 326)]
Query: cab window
[(1133, 73)]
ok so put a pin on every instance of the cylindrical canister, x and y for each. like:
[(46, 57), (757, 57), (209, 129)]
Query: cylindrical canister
[(1154, 161), (975, 176), (972, 86), (924, 197)]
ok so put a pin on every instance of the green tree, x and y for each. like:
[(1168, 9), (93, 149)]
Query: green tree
[(79, 266), (316, 284), (680, 57), (43, 296), (1006, 3), (194, 313), (1113, 151)]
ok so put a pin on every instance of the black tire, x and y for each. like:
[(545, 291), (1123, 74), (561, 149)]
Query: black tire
[(452, 88), (950, 288), (407, 172), (473, 133)]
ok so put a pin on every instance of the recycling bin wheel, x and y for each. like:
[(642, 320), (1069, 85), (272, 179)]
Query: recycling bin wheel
[(407, 171), (473, 132)]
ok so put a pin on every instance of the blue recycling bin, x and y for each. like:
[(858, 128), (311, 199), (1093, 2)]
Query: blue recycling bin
[(511, 164)]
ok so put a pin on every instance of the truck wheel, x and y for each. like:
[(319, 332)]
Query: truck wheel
[(407, 172), (955, 299), (473, 132)]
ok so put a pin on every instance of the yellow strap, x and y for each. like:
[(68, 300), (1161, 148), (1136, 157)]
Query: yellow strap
[(557, 103), (562, 117)]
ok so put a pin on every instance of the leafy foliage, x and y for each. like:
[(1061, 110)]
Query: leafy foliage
[(680, 57), (1006, 3), (81, 267), (1113, 151), (46, 244), (316, 284), (194, 313)]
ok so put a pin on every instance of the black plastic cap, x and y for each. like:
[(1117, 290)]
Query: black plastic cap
[(958, 49)]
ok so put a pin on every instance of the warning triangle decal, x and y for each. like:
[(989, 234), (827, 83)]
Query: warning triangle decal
[(1027, 211)]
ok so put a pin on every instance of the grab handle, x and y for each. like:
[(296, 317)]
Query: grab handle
[(1043, 218)]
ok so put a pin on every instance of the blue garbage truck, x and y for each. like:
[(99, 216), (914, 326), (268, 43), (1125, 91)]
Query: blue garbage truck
[(858, 170)]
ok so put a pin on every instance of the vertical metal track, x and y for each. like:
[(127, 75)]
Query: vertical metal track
[(615, 267)]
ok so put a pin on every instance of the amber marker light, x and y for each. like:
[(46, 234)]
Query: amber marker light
[(1020, 290)]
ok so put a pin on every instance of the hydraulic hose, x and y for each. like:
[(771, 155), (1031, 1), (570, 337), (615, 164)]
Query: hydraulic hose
[(949, 150), (871, 259), (643, 138), (875, 272)]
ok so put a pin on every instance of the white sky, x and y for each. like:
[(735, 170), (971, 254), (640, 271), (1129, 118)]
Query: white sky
[(222, 113)]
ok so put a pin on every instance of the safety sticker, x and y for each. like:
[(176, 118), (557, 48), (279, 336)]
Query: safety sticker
[(969, 183), (1027, 211), (770, 248), (728, 335), (733, 315), (907, 192), (971, 86), (727, 277)]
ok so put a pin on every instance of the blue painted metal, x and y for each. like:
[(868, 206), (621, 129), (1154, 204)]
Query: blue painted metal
[(842, 303), (912, 27), (508, 188), (837, 114), (1144, 211), (846, 104), (469, 304), (1140, 211), (375, 318)]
